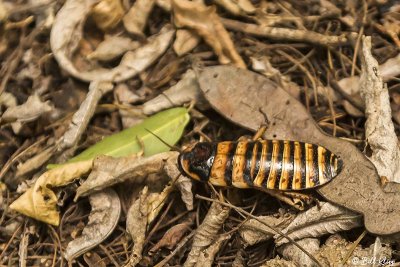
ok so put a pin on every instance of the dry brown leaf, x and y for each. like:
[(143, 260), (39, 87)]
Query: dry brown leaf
[(185, 41), (136, 18), (379, 128), (237, 7), (205, 22), (39, 201), (136, 225), (319, 221), (32, 109), (173, 235), (113, 47), (108, 171), (67, 32), (108, 13), (106, 209), (207, 232), (35, 162), (81, 118), (253, 231), (186, 90), (156, 202), (240, 94)]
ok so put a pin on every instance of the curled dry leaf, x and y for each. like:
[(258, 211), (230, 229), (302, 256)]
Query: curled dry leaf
[(207, 232), (297, 256), (207, 256), (106, 209), (108, 171), (108, 13), (39, 201), (240, 94), (318, 221), (136, 18), (379, 128), (206, 23), (136, 225), (183, 183), (237, 7), (32, 109), (186, 90), (81, 118), (173, 235), (113, 47), (253, 231), (67, 32), (156, 202), (185, 41)]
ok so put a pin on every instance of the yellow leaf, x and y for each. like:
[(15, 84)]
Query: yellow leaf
[(39, 202)]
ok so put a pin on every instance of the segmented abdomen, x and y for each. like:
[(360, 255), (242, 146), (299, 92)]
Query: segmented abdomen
[(270, 164)]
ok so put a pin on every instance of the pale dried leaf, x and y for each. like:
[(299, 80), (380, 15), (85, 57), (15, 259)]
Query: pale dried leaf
[(185, 41), (237, 7), (113, 47), (317, 221), (67, 32), (278, 262), (3, 11), (207, 256), (108, 171), (297, 256), (164, 4), (103, 218), (186, 90), (136, 225), (253, 231), (39, 201), (35, 162), (108, 13), (205, 22), (136, 18), (32, 109), (379, 128), (206, 233), (183, 183), (123, 95), (8, 100), (391, 68), (81, 118), (263, 65), (156, 202)]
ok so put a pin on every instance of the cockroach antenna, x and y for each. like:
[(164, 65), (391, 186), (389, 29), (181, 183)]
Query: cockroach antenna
[(173, 148)]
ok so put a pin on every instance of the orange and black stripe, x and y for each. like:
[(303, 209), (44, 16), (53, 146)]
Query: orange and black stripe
[(269, 164)]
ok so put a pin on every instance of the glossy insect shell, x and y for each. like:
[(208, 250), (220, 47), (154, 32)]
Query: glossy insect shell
[(269, 164)]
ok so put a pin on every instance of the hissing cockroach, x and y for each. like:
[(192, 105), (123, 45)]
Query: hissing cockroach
[(264, 164)]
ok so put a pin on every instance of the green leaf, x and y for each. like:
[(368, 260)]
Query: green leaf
[(168, 125)]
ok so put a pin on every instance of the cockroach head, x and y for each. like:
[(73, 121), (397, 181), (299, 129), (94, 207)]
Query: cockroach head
[(197, 160)]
